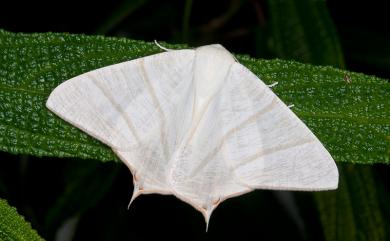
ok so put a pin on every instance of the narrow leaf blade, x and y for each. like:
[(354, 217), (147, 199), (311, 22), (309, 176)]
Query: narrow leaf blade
[(13, 226), (32, 65)]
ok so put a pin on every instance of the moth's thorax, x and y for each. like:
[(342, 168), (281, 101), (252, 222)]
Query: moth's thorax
[(211, 66)]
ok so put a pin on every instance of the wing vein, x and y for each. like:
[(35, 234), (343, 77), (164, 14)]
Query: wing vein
[(273, 150), (157, 105), (243, 124), (117, 107)]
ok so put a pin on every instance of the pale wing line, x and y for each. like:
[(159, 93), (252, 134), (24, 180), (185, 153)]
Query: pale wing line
[(243, 124), (80, 126), (159, 109), (117, 107), (273, 150), (197, 121)]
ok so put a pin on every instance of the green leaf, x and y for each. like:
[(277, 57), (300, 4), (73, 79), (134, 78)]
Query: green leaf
[(13, 227), (351, 119)]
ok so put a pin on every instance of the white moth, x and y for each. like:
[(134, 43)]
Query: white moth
[(196, 124)]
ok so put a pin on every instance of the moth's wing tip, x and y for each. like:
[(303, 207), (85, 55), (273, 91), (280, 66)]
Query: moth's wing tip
[(53, 101), (320, 179), (50, 99), (54, 95), (330, 180), (333, 177)]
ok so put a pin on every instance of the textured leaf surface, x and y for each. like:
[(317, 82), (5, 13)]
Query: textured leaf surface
[(13, 227), (351, 119)]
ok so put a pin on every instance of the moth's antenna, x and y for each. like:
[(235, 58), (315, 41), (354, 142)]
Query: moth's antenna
[(162, 47)]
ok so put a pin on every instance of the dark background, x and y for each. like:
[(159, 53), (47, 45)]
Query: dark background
[(34, 185)]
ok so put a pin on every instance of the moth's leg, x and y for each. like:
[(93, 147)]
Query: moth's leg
[(273, 84)]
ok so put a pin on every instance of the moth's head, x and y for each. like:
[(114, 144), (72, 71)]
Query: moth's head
[(216, 49), (217, 46)]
